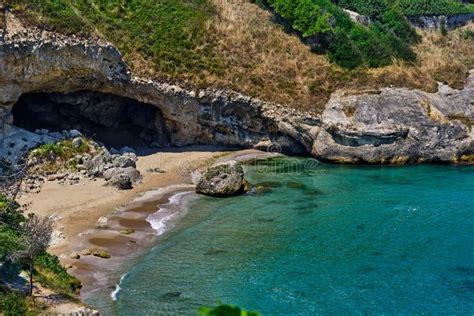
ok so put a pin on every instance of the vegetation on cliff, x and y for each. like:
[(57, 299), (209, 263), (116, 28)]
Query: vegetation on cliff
[(407, 7), (348, 43), (21, 249), (237, 45)]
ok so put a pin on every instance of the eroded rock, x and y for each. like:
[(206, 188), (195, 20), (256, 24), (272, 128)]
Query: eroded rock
[(222, 180), (121, 181)]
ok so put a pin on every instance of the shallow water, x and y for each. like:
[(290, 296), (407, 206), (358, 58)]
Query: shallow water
[(335, 240)]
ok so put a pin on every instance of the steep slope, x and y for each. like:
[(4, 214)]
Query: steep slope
[(235, 44), (379, 126)]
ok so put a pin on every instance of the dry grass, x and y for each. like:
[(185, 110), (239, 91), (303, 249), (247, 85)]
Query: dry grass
[(261, 60), (446, 59), (253, 55)]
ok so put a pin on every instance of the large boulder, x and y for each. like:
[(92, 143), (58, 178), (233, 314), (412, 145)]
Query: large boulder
[(124, 161), (222, 180), (121, 181), (131, 172)]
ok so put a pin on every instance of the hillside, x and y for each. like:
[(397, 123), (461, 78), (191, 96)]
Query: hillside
[(237, 45)]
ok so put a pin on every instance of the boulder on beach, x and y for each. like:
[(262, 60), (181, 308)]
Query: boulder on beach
[(222, 180), (121, 181)]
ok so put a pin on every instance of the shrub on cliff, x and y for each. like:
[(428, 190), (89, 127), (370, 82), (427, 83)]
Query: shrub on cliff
[(350, 44), (306, 16), (433, 7), (376, 8), (50, 273), (12, 304)]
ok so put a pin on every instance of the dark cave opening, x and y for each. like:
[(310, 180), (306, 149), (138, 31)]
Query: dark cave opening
[(113, 120)]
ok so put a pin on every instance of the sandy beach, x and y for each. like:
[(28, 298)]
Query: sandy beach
[(91, 215), (79, 207)]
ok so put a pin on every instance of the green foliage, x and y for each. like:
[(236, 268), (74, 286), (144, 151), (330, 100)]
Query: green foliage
[(59, 155), (64, 150), (10, 221), (306, 16), (376, 8), (48, 150), (343, 51), (12, 304), (8, 242), (394, 22), (433, 7), (442, 28), (372, 8), (56, 15), (468, 34), (168, 33), (50, 273), (225, 310), (350, 44), (9, 213)]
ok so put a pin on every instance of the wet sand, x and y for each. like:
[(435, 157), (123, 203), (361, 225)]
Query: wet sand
[(92, 215)]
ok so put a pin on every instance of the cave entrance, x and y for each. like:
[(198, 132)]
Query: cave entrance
[(113, 120)]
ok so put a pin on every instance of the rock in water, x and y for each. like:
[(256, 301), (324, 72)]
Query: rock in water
[(222, 180)]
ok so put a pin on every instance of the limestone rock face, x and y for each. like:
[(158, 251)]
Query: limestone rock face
[(388, 126), (222, 180), (398, 126)]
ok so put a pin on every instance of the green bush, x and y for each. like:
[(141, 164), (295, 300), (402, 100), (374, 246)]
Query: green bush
[(376, 8), (50, 273), (9, 213), (394, 22), (343, 51), (305, 15), (372, 8), (12, 304), (468, 34), (350, 44), (225, 310), (433, 7)]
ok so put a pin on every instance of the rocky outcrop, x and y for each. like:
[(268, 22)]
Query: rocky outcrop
[(388, 126), (398, 126), (222, 180), (434, 22)]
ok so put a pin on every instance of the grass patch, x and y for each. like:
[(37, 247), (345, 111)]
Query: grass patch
[(244, 50), (50, 273), (59, 156), (169, 34)]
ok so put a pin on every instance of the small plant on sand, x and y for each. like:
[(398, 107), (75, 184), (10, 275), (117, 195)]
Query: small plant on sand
[(58, 156)]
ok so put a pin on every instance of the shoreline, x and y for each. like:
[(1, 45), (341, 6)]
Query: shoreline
[(91, 215)]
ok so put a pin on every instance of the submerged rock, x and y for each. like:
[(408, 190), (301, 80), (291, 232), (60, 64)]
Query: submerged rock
[(223, 180), (96, 252)]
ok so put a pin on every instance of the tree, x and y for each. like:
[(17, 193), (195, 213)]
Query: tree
[(35, 239)]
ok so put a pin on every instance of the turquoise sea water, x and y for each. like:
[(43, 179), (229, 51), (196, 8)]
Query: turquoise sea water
[(333, 241)]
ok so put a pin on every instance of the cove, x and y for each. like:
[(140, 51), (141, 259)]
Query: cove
[(327, 240)]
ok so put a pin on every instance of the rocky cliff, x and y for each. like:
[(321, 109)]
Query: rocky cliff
[(88, 78)]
